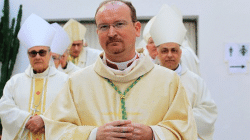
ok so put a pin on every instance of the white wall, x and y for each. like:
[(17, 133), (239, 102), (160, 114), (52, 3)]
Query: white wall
[(220, 22)]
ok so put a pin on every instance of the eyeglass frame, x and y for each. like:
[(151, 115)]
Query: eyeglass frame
[(39, 52), (115, 25), (77, 44), (57, 58)]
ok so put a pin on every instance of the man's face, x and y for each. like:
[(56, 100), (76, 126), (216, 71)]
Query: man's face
[(152, 50), (56, 57), (116, 31), (76, 48), (39, 61), (169, 55), (63, 59)]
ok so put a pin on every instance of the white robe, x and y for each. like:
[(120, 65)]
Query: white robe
[(204, 107), (189, 58), (87, 57), (157, 100), (71, 68), (14, 104)]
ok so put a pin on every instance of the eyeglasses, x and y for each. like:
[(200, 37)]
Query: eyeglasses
[(77, 44), (56, 58), (34, 53), (118, 25)]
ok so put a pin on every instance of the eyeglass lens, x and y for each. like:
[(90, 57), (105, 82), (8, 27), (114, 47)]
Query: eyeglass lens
[(34, 53), (56, 58)]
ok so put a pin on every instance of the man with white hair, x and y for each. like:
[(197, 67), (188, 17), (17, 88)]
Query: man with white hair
[(168, 33), (80, 55), (26, 96), (59, 51)]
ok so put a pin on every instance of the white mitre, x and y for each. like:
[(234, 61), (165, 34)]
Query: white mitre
[(61, 40), (167, 27), (35, 31), (177, 11), (146, 34), (75, 30)]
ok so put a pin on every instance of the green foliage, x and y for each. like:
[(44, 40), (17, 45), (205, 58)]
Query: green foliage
[(9, 43)]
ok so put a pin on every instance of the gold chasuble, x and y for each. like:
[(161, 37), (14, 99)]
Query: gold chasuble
[(123, 96), (37, 102), (147, 94)]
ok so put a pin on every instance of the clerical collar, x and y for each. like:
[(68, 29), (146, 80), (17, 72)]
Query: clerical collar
[(178, 70), (119, 66), (40, 75)]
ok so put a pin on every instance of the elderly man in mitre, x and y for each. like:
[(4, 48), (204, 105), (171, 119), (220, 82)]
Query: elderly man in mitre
[(188, 57), (60, 52), (26, 96), (168, 33), (80, 55)]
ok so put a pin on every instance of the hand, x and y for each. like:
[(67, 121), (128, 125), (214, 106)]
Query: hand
[(42, 130), (35, 124), (116, 130), (141, 132)]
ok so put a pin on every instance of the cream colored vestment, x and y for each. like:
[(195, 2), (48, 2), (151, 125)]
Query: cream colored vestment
[(89, 101), (16, 100)]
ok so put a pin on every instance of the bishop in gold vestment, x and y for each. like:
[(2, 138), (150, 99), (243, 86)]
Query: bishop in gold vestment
[(123, 95), (158, 100)]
